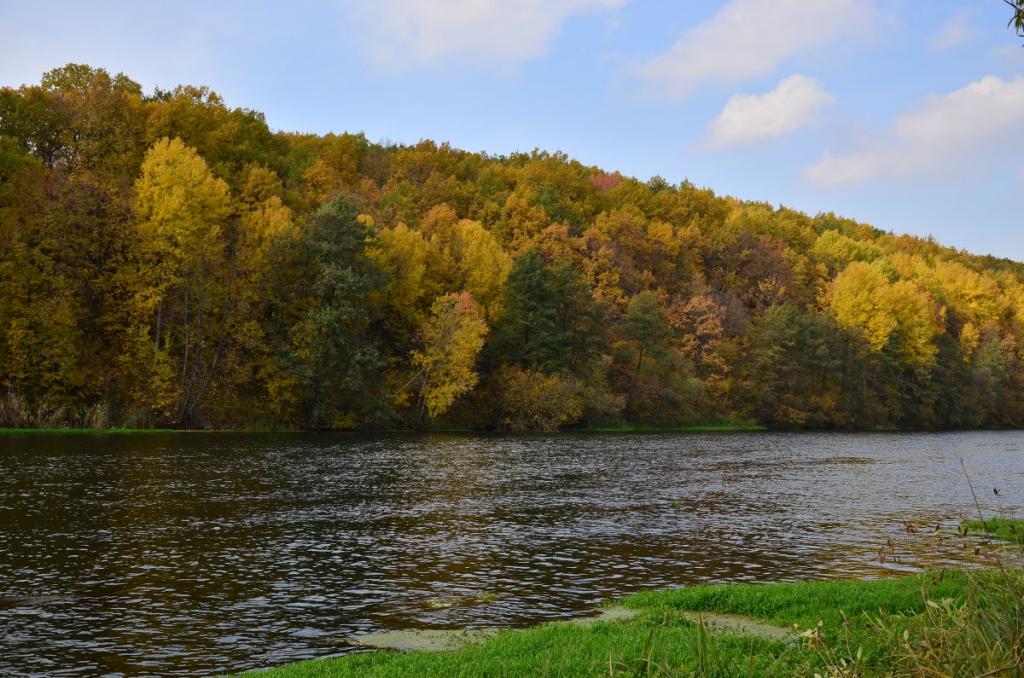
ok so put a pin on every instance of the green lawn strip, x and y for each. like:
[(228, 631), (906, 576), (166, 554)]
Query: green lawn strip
[(844, 608), (664, 636), (1007, 529), (558, 649)]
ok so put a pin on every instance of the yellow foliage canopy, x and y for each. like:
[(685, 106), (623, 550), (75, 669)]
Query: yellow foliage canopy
[(180, 207), (863, 297), (452, 339)]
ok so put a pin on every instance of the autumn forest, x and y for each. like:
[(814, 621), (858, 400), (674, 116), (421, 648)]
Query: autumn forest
[(169, 261)]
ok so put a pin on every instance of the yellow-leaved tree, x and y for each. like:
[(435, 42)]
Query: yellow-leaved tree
[(264, 248), (973, 301), (451, 340), (838, 251), (466, 256), (181, 211), (264, 218), (862, 296), (483, 264), (402, 255)]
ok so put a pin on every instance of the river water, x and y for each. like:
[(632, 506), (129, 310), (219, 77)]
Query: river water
[(185, 554)]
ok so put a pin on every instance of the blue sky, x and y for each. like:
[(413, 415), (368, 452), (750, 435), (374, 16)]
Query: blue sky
[(904, 114)]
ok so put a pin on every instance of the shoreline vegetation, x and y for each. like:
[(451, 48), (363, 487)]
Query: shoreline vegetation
[(933, 623), (1010, 530), (168, 261), (625, 428), (89, 431), (693, 428)]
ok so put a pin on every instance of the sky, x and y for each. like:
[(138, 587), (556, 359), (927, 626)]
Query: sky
[(904, 114)]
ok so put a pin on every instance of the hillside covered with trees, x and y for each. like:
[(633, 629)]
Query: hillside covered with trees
[(166, 260)]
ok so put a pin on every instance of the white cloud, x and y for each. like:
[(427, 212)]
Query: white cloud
[(398, 33), (945, 132), (749, 38), (956, 32), (795, 102)]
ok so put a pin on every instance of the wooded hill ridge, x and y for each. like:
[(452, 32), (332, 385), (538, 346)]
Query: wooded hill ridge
[(166, 260)]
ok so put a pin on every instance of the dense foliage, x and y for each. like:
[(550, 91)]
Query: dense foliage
[(167, 260)]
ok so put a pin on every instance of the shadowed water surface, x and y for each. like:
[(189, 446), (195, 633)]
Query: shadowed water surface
[(202, 553)]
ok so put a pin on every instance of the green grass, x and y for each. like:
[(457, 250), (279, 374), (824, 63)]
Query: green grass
[(839, 620), (83, 431), (1007, 529)]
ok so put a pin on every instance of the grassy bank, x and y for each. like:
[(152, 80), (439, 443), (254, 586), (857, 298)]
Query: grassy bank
[(952, 622), (1006, 529)]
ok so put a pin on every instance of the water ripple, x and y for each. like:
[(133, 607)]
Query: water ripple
[(198, 554)]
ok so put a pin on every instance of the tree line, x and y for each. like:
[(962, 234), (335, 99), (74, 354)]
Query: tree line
[(166, 260)]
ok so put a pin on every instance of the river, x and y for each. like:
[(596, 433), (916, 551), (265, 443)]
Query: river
[(185, 554)]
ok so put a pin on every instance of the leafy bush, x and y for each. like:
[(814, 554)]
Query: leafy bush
[(534, 401)]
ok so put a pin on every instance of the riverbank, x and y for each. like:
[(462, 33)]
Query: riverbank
[(1005, 529), (624, 428), (87, 431), (943, 623), (965, 624)]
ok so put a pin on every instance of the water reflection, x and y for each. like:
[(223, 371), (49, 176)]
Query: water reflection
[(184, 554)]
